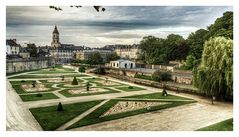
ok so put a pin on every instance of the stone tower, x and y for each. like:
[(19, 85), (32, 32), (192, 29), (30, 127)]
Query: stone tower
[(55, 38)]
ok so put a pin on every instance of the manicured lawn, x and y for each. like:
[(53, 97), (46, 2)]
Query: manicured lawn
[(33, 97), (46, 76), (157, 96), (19, 89), (221, 126), (134, 88), (50, 119), (94, 117), (65, 93), (52, 72), (21, 82)]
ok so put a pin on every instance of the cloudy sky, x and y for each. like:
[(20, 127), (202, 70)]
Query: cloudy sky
[(117, 25)]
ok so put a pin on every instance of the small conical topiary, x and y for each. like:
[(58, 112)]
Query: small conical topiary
[(59, 107), (74, 82)]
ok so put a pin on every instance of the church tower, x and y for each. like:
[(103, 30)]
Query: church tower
[(55, 38)]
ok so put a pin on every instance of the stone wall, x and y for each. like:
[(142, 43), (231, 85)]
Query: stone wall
[(182, 78), (19, 65)]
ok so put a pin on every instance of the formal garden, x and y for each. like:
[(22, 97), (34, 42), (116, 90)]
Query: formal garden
[(65, 83)]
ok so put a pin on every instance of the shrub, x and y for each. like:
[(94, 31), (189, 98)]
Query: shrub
[(164, 93), (59, 107), (82, 69), (23, 81), (130, 87), (100, 71), (38, 95), (161, 76), (141, 76), (74, 82)]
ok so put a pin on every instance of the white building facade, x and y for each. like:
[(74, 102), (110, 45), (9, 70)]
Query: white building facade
[(121, 63)]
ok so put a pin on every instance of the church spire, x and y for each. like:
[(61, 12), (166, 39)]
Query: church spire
[(56, 30)]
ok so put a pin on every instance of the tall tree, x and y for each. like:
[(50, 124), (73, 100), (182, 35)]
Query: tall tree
[(223, 26), (32, 49), (95, 59), (173, 44), (111, 57), (195, 41), (215, 74), (152, 50)]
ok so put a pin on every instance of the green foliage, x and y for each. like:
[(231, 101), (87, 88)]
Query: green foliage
[(176, 48), (152, 50), (195, 41), (100, 71), (59, 107), (95, 59), (81, 69), (161, 76), (223, 26), (74, 82), (215, 74), (141, 76), (160, 51), (190, 63), (32, 49), (38, 95), (130, 87), (111, 57)]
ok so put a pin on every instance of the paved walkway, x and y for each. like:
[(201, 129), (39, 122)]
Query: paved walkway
[(186, 117)]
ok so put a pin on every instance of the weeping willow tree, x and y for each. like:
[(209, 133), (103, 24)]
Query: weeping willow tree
[(214, 76)]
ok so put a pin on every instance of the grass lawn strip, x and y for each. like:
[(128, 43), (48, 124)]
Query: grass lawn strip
[(19, 89), (221, 126), (67, 94), (94, 117), (46, 76), (50, 119), (126, 88), (33, 97), (157, 96)]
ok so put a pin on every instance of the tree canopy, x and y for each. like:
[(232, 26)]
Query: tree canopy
[(95, 59), (214, 76), (223, 26)]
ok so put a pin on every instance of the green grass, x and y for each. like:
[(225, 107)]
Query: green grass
[(50, 119), (33, 97), (66, 94), (130, 89), (157, 96), (46, 76), (221, 126), (143, 77), (94, 117), (19, 89), (21, 82), (52, 72)]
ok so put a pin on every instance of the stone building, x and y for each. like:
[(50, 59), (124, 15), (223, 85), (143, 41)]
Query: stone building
[(121, 63), (24, 53), (128, 51), (63, 53), (85, 54), (12, 47)]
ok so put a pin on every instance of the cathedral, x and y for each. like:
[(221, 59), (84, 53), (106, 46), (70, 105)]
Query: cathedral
[(63, 53)]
